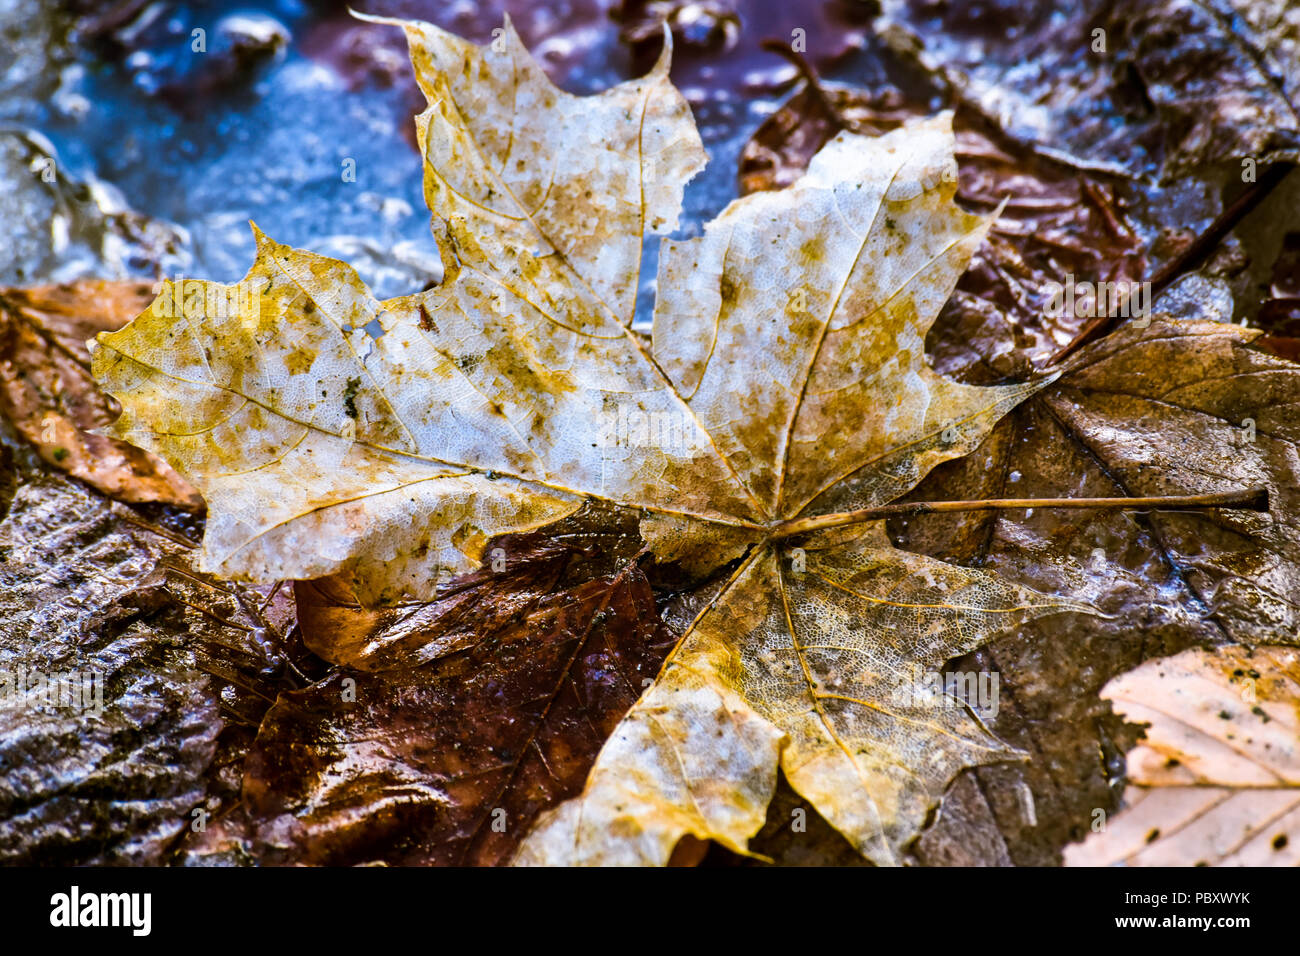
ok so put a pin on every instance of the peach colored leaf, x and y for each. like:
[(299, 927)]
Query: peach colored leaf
[(1217, 779)]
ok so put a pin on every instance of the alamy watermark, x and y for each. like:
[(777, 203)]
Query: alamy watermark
[(977, 690), (1090, 300), (198, 299), (74, 908), (630, 426), (80, 690)]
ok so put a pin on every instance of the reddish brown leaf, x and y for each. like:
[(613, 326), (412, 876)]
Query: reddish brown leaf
[(470, 609), (1280, 313), (450, 763), (47, 392)]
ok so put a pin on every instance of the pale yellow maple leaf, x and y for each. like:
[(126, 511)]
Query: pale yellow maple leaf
[(1216, 782), (389, 441)]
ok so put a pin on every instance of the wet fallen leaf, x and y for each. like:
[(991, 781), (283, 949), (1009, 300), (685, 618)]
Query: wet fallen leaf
[(1216, 782), (388, 442), (1177, 106), (779, 151), (519, 571), (1143, 412), (47, 393), (107, 724), (1195, 406), (1054, 224), (1146, 89), (1280, 313), (451, 762), (340, 630)]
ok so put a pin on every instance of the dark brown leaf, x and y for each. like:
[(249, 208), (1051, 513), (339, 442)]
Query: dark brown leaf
[(472, 608), (1280, 313), (93, 776), (1143, 412), (451, 762), (1152, 88)]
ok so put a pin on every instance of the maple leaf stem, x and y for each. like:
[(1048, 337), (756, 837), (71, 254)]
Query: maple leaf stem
[(810, 76), (1253, 499)]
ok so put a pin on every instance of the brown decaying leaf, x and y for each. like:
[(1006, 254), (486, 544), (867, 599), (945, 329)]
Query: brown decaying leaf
[(107, 777), (1197, 407), (338, 628), (1280, 313), (451, 762), (1216, 782), (47, 393), (1145, 88), (470, 610), (1147, 411)]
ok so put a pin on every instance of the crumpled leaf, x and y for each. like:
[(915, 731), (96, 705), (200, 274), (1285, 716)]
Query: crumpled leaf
[(386, 442), (1166, 87), (47, 392), (93, 777), (1216, 782)]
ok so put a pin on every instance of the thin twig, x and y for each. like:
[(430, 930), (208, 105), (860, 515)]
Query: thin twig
[(270, 597), (1253, 499), (131, 518), (810, 76), (216, 617), (198, 580)]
